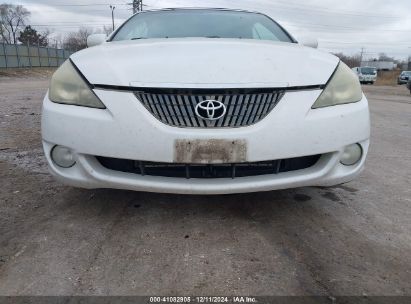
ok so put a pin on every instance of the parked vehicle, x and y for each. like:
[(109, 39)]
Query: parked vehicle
[(404, 77), (204, 101), (366, 74)]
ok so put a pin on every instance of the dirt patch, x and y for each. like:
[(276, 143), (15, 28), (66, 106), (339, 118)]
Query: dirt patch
[(387, 93), (27, 73)]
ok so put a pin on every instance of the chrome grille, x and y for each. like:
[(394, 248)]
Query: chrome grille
[(177, 108)]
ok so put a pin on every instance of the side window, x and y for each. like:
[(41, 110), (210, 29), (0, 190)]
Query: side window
[(263, 33)]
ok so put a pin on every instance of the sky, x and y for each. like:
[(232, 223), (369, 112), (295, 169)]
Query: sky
[(346, 26)]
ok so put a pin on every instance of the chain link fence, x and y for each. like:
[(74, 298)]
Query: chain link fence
[(19, 56)]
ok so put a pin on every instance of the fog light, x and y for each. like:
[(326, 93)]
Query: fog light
[(352, 155), (63, 157)]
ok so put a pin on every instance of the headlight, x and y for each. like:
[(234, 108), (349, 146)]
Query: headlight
[(68, 87), (343, 87)]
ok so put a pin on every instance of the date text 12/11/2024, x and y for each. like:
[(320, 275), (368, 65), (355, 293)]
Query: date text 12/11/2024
[(203, 299)]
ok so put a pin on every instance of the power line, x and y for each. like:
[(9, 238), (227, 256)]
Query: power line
[(341, 27), (298, 7), (357, 43), (84, 5)]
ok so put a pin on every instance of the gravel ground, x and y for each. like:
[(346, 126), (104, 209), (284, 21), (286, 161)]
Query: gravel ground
[(349, 240)]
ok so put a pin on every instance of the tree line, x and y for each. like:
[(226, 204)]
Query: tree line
[(15, 29), (355, 60)]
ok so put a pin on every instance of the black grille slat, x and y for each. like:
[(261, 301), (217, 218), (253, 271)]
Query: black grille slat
[(243, 110), (261, 106), (164, 114), (151, 105), (266, 106), (231, 107), (194, 101), (229, 170), (224, 99), (253, 114), (186, 116), (190, 111), (251, 106), (237, 109), (177, 107), (168, 107)]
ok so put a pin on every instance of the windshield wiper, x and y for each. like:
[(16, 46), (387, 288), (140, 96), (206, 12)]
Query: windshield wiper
[(212, 37), (137, 38)]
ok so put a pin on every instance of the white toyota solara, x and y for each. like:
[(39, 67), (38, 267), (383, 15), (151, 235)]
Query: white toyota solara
[(204, 101)]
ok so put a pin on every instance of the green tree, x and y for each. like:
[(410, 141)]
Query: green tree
[(29, 36)]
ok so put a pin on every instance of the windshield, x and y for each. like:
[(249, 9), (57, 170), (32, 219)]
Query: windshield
[(201, 23), (368, 71), (406, 73)]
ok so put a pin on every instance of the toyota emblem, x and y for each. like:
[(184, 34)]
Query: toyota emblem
[(210, 110)]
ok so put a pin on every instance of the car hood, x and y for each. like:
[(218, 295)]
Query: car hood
[(204, 63)]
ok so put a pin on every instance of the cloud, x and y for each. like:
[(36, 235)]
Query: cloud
[(341, 26)]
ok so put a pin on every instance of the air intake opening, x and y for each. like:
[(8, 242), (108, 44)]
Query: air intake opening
[(208, 171)]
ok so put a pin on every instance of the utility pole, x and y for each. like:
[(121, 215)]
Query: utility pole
[(137, 6), (112, 7), (362, 56)]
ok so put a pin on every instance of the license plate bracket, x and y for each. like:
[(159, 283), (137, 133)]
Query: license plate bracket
[(211, 151)]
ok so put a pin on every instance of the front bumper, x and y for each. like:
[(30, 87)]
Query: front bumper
[(126, 130), (368, 79)]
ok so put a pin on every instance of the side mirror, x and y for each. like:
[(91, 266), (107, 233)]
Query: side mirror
[(96, 39), (309, 42)]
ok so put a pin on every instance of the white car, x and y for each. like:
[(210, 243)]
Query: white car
[(366, 74), (204, 101)]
